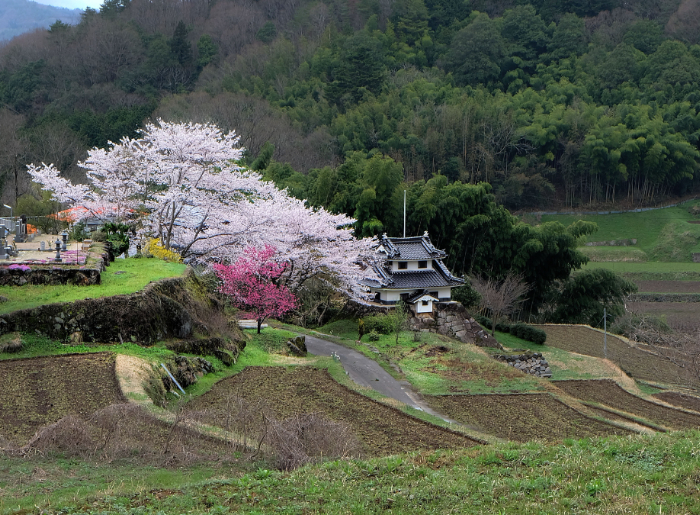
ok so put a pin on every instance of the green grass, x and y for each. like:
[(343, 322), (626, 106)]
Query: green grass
[(662, 234), (639, 474), (624, 254), (464, 369), (35, 345), (650, 270), (564, 364), (137, 273)]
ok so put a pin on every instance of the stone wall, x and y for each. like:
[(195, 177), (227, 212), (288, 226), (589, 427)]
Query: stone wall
[(163, 309), (612, 243), (531, 363), (38, 274), (452, 319)]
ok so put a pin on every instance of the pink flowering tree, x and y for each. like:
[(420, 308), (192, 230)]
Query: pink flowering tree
[(181, 183), (252, 284)]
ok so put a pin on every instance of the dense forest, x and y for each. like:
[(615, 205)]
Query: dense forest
[(553, 102)]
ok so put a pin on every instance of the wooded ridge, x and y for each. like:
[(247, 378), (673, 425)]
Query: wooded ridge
[(554, 103)]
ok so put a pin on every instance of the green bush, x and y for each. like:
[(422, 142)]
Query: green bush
[(529, 333), (503, 327), (78, 232), (484, 322), (373, 336), (382, 324)]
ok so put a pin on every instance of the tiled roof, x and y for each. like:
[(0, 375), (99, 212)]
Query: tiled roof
[(418, 295), (413, 248), (427, 279)]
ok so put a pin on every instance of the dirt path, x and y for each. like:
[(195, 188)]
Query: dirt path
[(368, 373)]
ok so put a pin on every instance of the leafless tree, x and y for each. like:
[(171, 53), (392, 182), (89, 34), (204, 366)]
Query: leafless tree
[(500, 298)]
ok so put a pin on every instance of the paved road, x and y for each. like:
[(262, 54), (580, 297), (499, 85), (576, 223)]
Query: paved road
[(367, 372)]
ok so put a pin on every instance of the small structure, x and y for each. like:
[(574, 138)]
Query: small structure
[(413, 271)]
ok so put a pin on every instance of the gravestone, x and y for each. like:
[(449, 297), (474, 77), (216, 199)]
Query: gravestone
[(21, 230)]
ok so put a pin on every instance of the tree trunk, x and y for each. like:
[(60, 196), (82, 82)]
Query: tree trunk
[(260, 321)]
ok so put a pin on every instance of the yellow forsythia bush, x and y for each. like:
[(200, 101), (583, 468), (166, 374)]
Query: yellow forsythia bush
[(155, 249)]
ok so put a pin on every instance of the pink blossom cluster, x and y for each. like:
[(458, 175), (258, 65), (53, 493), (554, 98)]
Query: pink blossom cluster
[(74, 257), (251, 283), (183, 183), (16, 266)]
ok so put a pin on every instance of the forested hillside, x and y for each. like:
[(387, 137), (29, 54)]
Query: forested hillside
[(553, 102), (18, 16)]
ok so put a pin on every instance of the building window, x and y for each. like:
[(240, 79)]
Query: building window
[(404, 297), (434, 294), (422, 264), (403, 265), (425, 302)]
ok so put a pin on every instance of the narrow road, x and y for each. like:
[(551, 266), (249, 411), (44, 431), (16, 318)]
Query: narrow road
[(367, 372)]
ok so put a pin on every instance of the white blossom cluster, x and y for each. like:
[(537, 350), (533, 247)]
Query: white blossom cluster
[(181, 183)]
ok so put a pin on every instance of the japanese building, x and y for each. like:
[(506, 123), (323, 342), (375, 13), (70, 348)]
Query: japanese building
[(413, 271)]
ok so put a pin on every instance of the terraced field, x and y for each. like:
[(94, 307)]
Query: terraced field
[(382, 430), (40, 391), (635, 362), (608, 393), (681, 400), (522, 417)]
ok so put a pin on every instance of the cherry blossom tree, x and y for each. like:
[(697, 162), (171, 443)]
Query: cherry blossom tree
[(181, 183), (252, 284)]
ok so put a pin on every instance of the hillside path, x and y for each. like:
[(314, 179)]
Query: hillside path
[(367, 372)]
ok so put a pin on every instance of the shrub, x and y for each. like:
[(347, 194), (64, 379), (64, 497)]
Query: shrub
[(503, 327), (303, 439), (484, 322), (382, 324), (529, 333), (78, 232), (373, 336), (155, 249)]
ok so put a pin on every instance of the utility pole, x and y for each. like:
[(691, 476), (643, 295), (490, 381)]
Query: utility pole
[(605, 333), (404, 213)]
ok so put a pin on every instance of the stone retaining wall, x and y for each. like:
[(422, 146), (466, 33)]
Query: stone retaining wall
[(612, 243), (665, 297), (163, 309), (530, 363), (55, 275), (452, 319)]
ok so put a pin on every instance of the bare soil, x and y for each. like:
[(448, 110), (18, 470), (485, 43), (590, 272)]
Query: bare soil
[(522, 417), (608, 393), (680, 399), (381, 429), (684, 316), (37, 392), (633, 361), (668, 286)]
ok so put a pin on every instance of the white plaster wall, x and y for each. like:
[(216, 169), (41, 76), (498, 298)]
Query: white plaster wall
[(412, 265), (420, 308)]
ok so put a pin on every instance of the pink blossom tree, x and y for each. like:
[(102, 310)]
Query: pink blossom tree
[(252, 284), (181, 183)]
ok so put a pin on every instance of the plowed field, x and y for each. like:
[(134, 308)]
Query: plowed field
[(522, 417), (683, 316), (635, 362), (609, 393), (668, 286), (680, 399), (382, 430), (40, 391)]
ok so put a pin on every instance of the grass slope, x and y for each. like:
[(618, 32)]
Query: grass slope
[(124, 276), (649, 228), (637, 474)]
